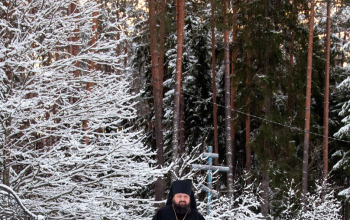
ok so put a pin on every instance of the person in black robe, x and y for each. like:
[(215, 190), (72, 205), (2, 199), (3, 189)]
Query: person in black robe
[(181, 204)]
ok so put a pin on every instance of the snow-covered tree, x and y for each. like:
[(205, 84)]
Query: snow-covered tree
[(196, 103), (321, 203), (244, 204), (344, 131), (45, 101), (341, 94), (343, 166)]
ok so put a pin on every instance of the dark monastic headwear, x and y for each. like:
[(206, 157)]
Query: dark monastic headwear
[(182, 186)]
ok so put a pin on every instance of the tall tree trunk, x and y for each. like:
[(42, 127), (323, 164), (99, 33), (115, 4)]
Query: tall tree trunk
[(47, 141), (180, 14), (266, 109), (55, 106), (308, 106), (73, 49), (233, 85), (162, 43), (8, 81), (125, 52), (160, 183), (89, 85), (6, 153), (213, 63), (228, 104), (290, 90), (248, 82), (157, 79), (265, 183), (182, 120), (5, 145), (6, 160), (31, 12), (326, 94), (118, 39), (343, 53)]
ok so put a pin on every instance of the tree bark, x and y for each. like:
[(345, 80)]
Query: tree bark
[(182, 116), (6, 160), (228, 104), (89, 85), (267, 109), (118, 39), (162, 43), (213, 63), (308, 106), (157, 82), (73, 49), (125, 52), (247, 121), (180, 14), (31, 11), (233, 85), (160, 183), (182, 119), (8, 81), (265, 183), (326, 93), (290, 90)]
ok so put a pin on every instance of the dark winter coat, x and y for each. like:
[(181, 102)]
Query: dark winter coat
[(167, 212)]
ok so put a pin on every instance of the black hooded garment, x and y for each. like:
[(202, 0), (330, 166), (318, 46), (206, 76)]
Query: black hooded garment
[(167, 212)]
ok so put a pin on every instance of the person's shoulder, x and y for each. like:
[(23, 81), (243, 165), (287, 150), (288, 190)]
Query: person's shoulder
[(195, 211), (197, 214), (165, 209)]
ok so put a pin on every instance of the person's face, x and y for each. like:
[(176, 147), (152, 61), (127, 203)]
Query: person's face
[(181, 199)]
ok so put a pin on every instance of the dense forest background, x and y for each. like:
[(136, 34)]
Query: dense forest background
[(105, 102)]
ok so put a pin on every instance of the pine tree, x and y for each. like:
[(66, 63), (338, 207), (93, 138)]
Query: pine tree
[(308, 106), (157, 78)]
